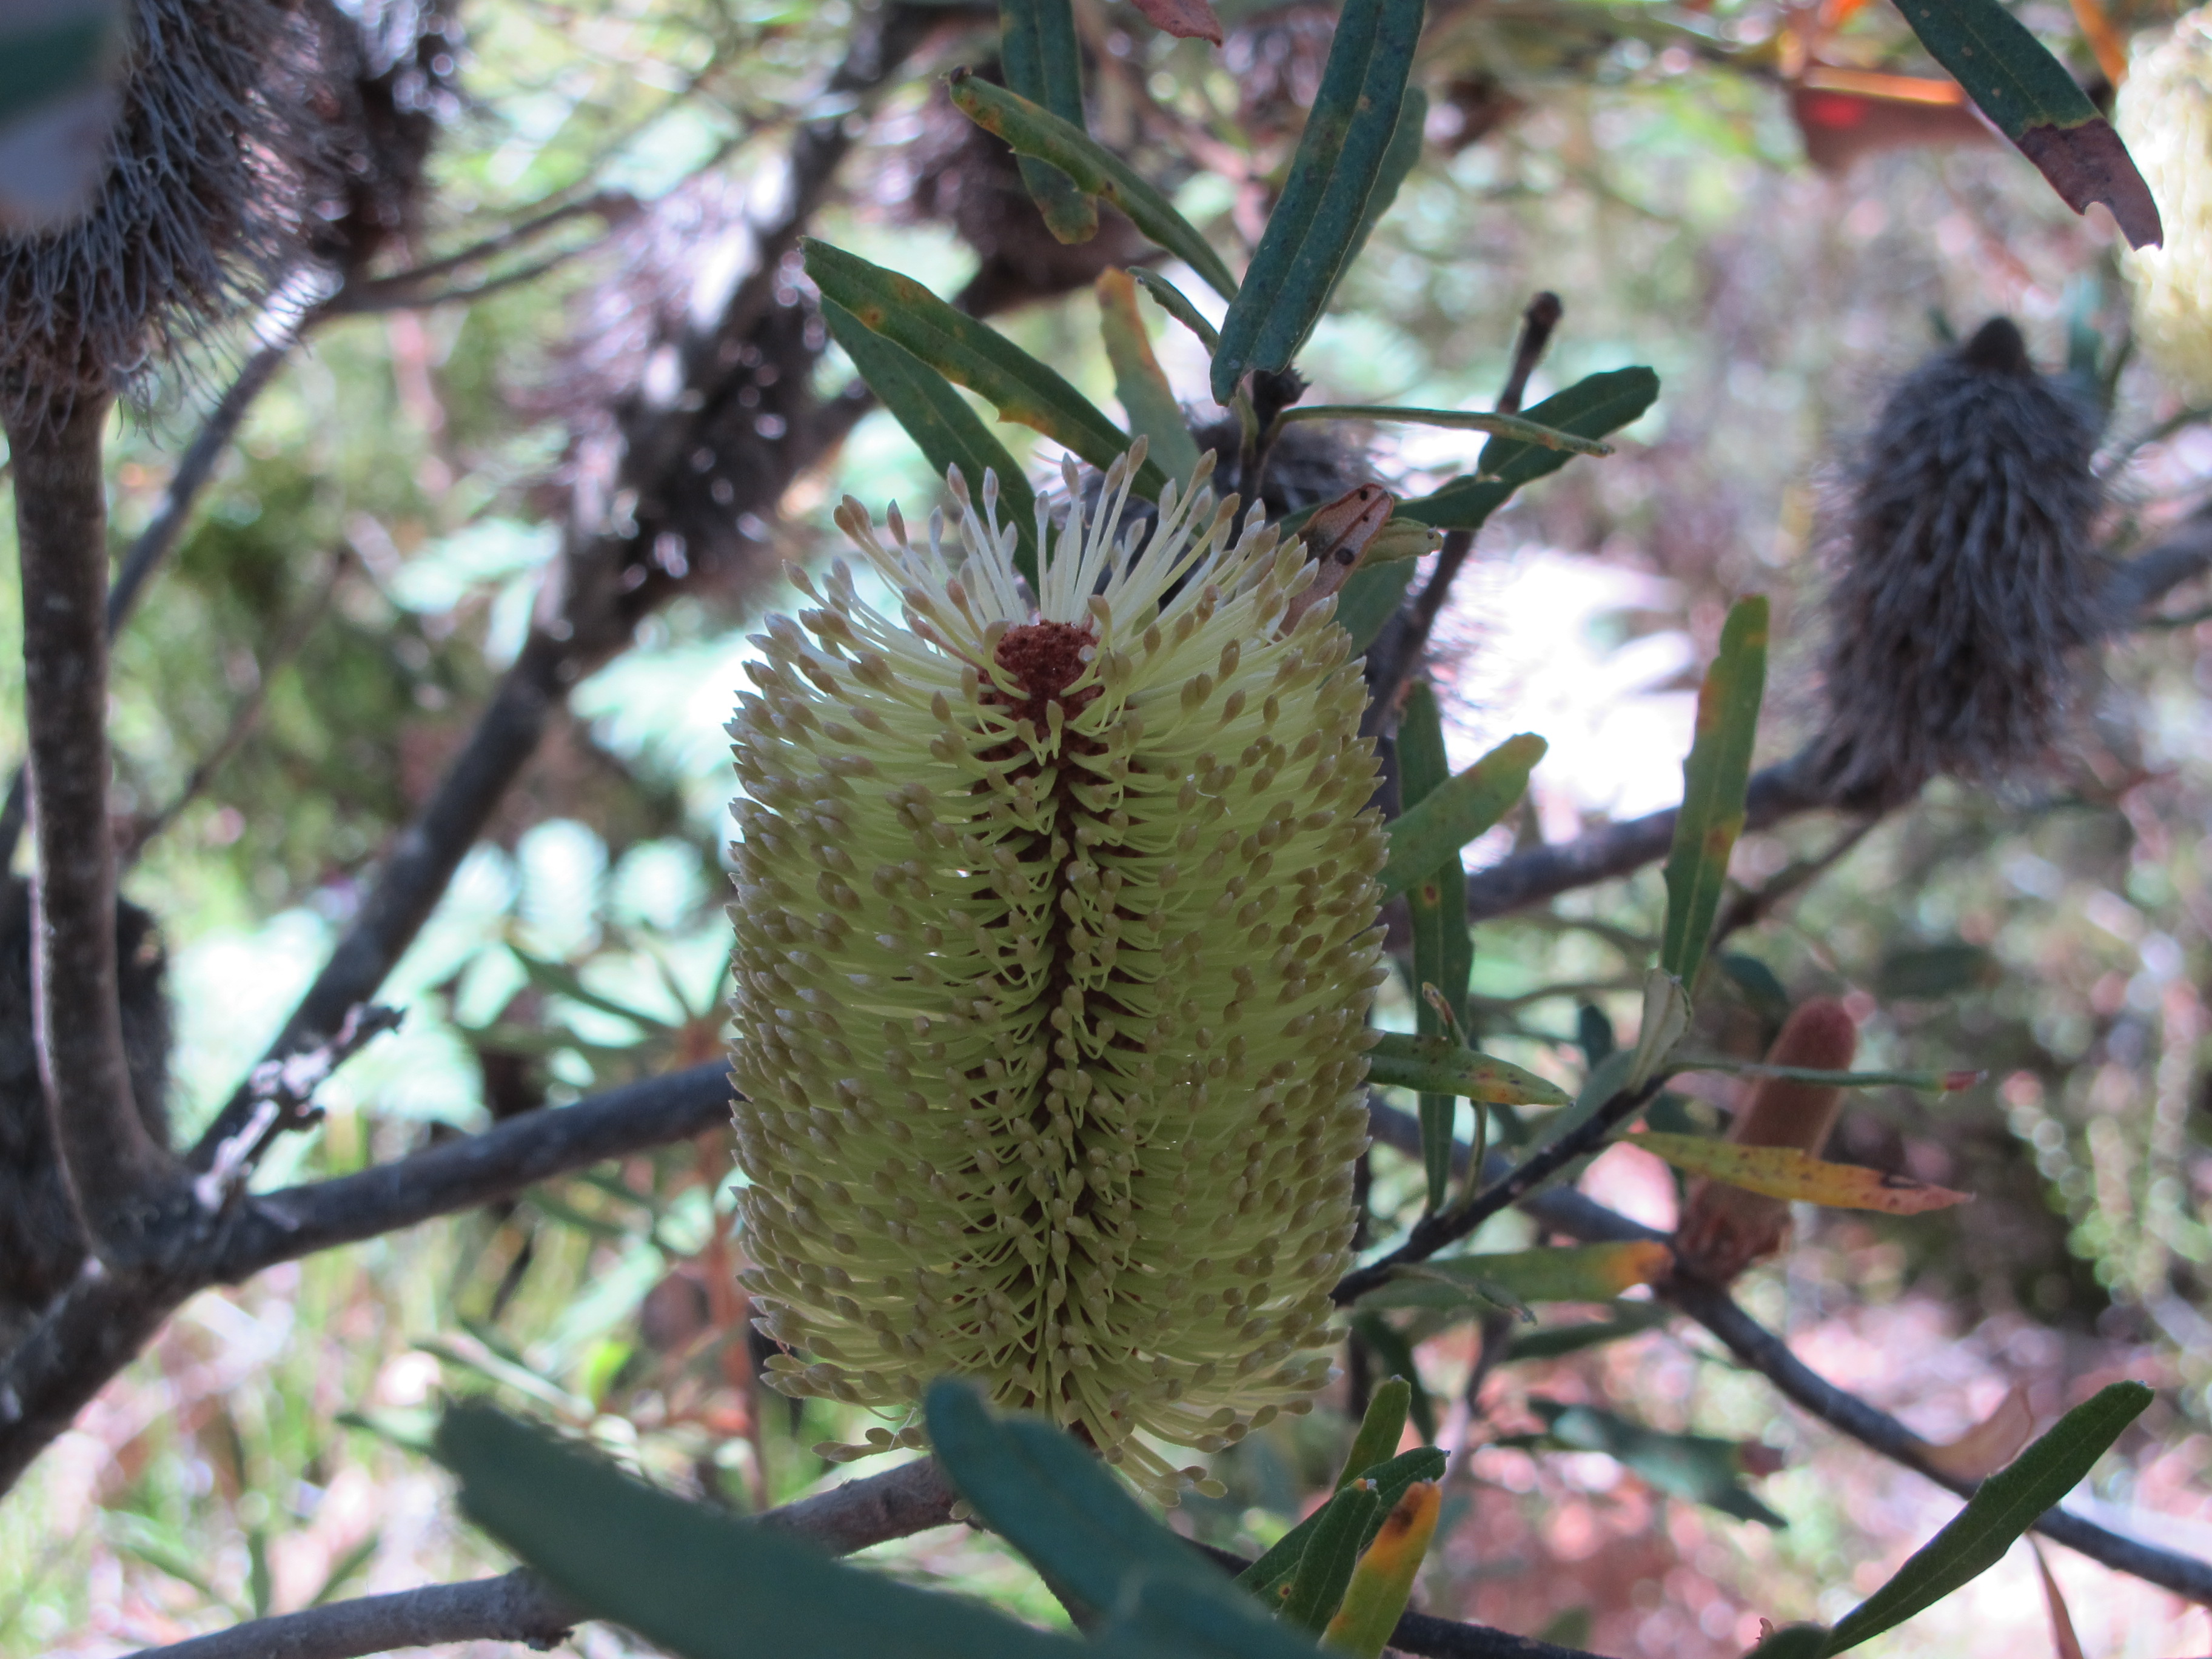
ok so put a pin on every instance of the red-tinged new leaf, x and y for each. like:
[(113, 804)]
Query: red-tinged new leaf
[(1784, 1172)]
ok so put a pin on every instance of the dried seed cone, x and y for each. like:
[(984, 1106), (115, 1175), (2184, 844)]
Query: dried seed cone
[(1965, 585), (1056, 936), (2165, 114)]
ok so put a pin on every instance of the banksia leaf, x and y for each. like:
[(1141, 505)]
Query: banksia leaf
[(1055, 936), (1383, 1580)]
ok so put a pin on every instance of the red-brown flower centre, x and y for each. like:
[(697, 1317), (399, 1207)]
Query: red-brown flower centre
[(1045, 659)]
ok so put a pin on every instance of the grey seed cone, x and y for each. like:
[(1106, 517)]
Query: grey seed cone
[(1965, 588), (196, 215)]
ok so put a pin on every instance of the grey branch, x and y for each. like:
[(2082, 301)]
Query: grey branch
[(116, 1171), (518, 1606)]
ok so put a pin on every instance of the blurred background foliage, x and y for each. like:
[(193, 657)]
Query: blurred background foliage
[(364, 566)]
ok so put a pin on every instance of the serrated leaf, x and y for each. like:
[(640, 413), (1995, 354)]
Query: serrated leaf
[(1784, 1172), (1033, 131), (698, 1582), (1325, 1569), (1430, 1064), (1052, 1501), (948, 432), (1324, 200), (1591, 408), (1435, 899), (1574, 1272), (1146, 398), (1390, 1478), (1714, 779), (1434, 827), (1043, 62), (2005, 1506), (2031, 98), (967, 353), (1696, 1466), (1376, 1598), (1380, 1427)]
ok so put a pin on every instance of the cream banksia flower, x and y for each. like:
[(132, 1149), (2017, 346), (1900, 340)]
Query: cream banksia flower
[(1056, 936), (2164, 112)]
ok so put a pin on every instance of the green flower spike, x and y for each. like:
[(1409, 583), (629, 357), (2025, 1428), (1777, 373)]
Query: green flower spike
[(1055, 936)]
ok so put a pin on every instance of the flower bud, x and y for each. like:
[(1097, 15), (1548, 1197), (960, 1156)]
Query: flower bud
[(1060, 1088)]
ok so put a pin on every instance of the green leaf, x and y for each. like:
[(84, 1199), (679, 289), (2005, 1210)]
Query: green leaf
[(1556, 1341), (699, 1583), (1380, 1430), (2005, 1506), (1042, 62), (1436, 896), (1325, 1568), (1324, 200), (1696, 1466), (1591, 408), (1933, 1082), (1714, 779), (2031, 98), (1390, 1478), (1760, 989), (1035, 131), (1572, 1273), (1369, 599), (1435, 825), (259, 1586), (1401, 1061), (1398, 163), (956, 346), (1054, 1501), (944, 427), (1146, 398), (1391, 1346), (1175, 1619), (1173, 300), (1519, 428)]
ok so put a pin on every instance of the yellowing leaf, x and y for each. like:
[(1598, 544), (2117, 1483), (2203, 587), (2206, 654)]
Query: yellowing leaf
[(1384, 1577), (1784, 1172)]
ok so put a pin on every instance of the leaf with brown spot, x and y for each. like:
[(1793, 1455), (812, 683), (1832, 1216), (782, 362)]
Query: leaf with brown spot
[(1786, 1173)]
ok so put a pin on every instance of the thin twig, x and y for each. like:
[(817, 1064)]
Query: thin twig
[(613, 207), (243, 719), (1537, 322), (1432, 1232), (115, 1168), (1754, 904)]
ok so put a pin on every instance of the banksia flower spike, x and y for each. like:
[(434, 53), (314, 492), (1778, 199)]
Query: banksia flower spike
[(2164, 112), (1056, 936), (1967, 584)]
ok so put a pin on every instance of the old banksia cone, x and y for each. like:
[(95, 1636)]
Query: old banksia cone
[(1055, 936), (1965, 584)]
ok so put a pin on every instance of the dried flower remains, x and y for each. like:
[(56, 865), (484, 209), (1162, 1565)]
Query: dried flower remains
[(1056, 936)]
